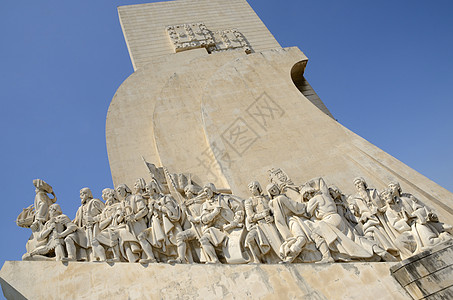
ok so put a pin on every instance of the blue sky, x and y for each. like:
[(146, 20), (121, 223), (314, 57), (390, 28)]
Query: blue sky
[(383, 68)]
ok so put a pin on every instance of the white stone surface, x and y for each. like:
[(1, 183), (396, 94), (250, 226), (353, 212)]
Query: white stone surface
[(144, 25), (178, 111), (54, 280)]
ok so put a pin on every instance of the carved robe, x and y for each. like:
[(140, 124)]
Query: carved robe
[(62, 222), (89, 209), (109, 225), (128, 233), (284, 208), (266, 234), (230, 210), (163, 226), (333, 228), (374, 224), (135, 205), (42, 203), (397, 218)]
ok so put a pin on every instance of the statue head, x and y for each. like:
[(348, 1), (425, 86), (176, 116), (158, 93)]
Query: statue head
[(255, 188), (55, 210), (152, 188), (43, 186), (85, 195), (387, 196), (307, 192), (334, 191), (272, 190), (395, 188), (210, 190), (190, 191), (354, 209), (123, 191), (109, 196), (360, 183), (139, 185)]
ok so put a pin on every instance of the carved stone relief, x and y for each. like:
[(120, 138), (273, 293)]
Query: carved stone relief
[(196, 35), (190, 36), (286, 223)]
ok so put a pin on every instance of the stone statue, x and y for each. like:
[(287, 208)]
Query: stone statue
[(109, 226), (134, 212), (59, 233), (368, 208), (221, 215), (294, 227), (84, 218), (315, 224), (36, 215), (191, 209), (42, 202), (164, 215), (342, 205), (262, 233), (414, 227), (332, 234)]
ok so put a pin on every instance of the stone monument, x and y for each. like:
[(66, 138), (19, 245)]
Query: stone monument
[(233, 180)]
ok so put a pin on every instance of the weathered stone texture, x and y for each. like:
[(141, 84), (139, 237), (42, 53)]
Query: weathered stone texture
[(52, 280), (428, 275), (144, 25), (177, 111)]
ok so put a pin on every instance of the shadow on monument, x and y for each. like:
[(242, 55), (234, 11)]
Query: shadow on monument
[(10, 292)]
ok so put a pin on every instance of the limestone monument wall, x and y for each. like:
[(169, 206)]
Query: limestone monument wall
[(427, 275), (134, 281), (181, 109)]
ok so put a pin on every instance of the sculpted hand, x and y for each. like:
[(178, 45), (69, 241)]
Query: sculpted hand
[(232, 225), (382, 209), (227, 227), (130, 218), (269, 219), (193, 220), (89, 221), (34, 226), (164, 210)]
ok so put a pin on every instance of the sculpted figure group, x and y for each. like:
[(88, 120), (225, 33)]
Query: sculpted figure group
[(284, 223)]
